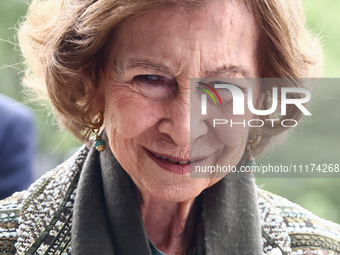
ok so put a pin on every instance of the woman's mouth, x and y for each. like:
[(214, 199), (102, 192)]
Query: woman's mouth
[(171, 164), (171, 160)]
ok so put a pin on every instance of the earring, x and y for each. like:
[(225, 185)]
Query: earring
[(99, 143), (250, 160)]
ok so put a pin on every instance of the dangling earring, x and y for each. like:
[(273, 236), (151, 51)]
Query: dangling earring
[(250, 160), (99, 143)]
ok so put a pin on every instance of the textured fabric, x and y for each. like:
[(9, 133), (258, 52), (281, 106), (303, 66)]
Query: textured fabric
[(39, 220), (231, 220), (107, 218), (90, 226), (107, 198)]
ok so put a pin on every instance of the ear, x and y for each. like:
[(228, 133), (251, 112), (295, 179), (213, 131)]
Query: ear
[(95, 99)]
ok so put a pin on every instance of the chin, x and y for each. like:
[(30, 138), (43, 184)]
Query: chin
[(179, 192)]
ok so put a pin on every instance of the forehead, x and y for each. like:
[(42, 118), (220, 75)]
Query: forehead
[(220, 32)]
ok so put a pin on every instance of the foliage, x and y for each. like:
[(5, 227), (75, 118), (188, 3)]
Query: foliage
[(317, 139), (54, 144)]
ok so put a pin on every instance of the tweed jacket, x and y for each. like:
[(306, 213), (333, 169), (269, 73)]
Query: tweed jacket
[(39, 220)]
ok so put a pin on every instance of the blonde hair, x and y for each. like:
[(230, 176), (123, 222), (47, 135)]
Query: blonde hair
[(61, 39)]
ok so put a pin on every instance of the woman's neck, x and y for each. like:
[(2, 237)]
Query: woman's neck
[(169, 225)]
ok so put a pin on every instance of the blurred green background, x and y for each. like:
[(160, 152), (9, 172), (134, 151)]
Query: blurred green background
[(314, 141)]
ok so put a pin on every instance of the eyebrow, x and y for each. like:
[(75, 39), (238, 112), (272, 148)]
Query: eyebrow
[(224, 69), (134, 62)]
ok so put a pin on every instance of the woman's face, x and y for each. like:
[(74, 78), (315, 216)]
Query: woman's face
[(146, 90)]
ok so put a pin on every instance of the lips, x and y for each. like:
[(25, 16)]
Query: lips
[(171, 160), (169, 163), (173, 164)]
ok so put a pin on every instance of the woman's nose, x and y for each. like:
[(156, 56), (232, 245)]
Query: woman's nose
[(177, 124), (184, 122)]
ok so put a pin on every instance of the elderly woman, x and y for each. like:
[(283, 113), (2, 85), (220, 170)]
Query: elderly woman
[(130, 63)]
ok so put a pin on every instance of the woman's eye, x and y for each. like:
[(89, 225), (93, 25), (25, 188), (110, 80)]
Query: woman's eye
[(151, 79), (155, 86)]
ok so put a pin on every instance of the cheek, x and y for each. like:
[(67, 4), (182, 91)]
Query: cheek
[(232, 130), (128, 114), (234, 136)]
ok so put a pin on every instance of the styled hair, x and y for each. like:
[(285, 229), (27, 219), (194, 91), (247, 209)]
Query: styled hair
[(63, 39)]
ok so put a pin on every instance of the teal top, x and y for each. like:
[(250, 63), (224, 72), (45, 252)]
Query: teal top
[(154, 250)]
